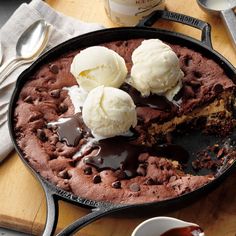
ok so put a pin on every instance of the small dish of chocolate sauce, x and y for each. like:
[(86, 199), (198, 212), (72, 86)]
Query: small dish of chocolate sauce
[(167, 226), (184, 231)]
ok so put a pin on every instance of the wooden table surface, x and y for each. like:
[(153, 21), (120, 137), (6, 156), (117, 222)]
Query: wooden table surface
[(22, 201)]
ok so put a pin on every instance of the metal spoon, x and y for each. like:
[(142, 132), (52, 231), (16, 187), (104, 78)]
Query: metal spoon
[(225, 9), (30, 44)]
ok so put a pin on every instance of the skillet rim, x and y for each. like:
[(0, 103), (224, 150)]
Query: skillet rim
[(72, 43)]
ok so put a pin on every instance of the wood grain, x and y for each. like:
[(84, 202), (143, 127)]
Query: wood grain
[(22, 201)]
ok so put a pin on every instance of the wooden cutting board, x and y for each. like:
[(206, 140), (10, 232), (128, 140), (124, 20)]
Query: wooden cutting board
[(22, 201)]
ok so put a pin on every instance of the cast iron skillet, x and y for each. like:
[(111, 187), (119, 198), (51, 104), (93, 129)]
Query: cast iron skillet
[(194, 142)]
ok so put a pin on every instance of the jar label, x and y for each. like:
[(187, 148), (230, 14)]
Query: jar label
[(133, 8), (129, 12)]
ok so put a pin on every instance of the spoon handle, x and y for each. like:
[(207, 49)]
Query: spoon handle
[(7, 65), (11, 67), (229, 19)]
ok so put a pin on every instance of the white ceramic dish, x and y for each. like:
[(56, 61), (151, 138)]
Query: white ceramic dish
[(159, 225)]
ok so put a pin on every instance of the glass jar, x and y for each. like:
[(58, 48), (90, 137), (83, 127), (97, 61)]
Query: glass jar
[(130, 12)]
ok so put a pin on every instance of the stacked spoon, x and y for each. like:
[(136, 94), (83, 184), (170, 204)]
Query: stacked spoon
[(29, 46)]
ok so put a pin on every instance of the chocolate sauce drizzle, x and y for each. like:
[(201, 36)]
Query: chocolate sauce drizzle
[(184, 231), (117, 153), (153, 100), (71, 129)]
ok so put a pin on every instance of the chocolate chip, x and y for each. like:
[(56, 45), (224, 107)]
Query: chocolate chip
[(218, 88), (28, 99), (162, 167), (72, 163), (188, 92), (150, 181), (55, 93), (197, 74), (63, 107), (41, 135), (54, 68), (120, 174), (141, 171), (63, 174), (134, 187), (88, 170), (100, 160), (116, 184), (119, 43), (97, 179), (35, 116)]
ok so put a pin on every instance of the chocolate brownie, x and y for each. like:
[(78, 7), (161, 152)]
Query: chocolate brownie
[(122, 170)]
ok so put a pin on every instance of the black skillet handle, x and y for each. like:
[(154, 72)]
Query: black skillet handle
[(177, 17), (95, 214), (52, 199), (52, 210)]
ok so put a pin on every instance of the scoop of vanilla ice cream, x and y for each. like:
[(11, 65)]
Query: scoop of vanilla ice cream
[(156, 69), (98, 65), (109, 112)]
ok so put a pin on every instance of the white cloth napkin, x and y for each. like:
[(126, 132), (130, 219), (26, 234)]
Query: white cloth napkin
[(63, 28)]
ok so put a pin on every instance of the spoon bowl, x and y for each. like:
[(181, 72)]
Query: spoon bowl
[(31, 40), (216, 6)]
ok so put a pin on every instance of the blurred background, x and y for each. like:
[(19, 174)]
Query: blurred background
[(7, 8)]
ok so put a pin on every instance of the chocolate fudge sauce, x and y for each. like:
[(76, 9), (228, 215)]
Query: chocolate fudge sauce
[(113, 153), (153, 100), (184, 231), (116, 153), (70, 129)]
